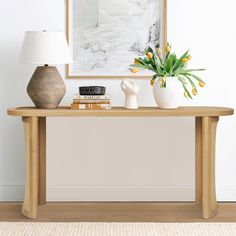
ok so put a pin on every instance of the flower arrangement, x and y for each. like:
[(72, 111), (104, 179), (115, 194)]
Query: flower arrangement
[(169, 66)]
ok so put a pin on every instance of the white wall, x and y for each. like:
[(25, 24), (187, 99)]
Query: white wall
[(125, 158)]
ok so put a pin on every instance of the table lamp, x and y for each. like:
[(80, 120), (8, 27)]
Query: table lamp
[(46, 87)]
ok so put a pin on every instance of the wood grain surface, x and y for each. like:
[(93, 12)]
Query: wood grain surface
[(118, 212), (120, 111)]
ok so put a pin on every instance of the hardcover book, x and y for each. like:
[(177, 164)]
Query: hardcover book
[(88, 106), (94, 97), (92, 101)]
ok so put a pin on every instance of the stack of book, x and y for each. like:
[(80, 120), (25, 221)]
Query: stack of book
[(91, 102)]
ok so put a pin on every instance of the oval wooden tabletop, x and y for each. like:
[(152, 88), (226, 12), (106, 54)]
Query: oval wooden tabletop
[(120, 111)]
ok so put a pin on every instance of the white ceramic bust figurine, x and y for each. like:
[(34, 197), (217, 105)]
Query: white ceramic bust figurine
[(131, 89)]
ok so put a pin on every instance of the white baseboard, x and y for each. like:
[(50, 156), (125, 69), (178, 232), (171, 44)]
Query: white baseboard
[(11, 193), (226, 193), (97, 193)]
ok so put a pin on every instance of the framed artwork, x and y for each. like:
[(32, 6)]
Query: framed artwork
[(106, 35)]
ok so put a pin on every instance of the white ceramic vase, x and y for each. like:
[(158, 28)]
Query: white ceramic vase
[(169, 97)]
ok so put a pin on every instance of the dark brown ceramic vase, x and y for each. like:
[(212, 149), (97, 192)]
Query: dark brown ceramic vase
[(46, 87)]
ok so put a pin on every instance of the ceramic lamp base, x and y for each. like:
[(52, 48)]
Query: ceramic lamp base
[(46, 87)]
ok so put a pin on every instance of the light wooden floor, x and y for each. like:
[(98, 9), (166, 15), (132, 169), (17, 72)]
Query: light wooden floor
[(118, 212)]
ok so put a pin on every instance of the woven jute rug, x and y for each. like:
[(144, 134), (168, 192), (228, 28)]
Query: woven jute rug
[(117, 229)]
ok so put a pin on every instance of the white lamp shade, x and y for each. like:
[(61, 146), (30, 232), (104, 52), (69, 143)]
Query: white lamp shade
[(43, 47)]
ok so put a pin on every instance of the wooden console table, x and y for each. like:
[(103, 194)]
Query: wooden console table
[(35, 148)]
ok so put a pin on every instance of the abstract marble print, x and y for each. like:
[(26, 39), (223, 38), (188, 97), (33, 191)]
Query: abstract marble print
[(106, 35)]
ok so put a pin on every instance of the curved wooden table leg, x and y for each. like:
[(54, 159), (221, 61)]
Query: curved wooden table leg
[(198, 160), (209, 202), (30, 205), (42, 161)]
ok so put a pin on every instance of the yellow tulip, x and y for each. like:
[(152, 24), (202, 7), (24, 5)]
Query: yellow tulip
[(185, 94), (189, 57), (201, 84), (149, 55), (159, 51), (152, 82), (185, 60), (136, 62), (194, 92), (134, 70), (167, 49)]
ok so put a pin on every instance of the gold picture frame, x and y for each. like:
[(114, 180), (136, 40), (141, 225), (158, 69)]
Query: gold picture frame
[(163, 36)]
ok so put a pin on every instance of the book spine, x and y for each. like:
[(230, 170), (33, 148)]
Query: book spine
[(92, 101), (93, 97), (90, 106)]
